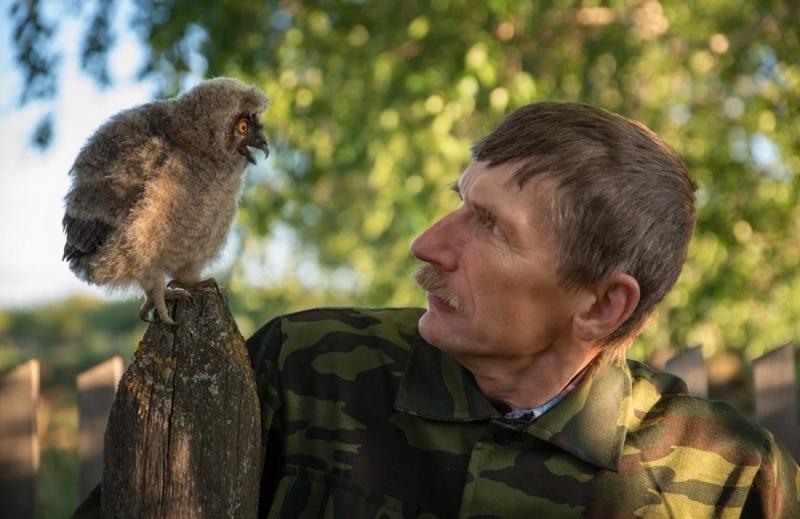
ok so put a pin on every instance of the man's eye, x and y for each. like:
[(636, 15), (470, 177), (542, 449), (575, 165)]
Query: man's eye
[(496, 230), (489, 223)]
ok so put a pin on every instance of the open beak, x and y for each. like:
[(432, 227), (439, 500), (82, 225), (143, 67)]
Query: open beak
[(255, 140)]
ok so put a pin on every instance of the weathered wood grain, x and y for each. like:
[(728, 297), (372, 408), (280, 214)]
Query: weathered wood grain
[(775, 392), (96, 388), (183, 438), (19, 441)]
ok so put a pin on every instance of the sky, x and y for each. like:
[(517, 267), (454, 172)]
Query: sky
[(33, 182)]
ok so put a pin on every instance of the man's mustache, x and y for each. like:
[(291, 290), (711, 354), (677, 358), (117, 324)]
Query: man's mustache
[(433, 281)]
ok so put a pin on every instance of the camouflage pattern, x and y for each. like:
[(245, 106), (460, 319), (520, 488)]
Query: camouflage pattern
[(362, 418)]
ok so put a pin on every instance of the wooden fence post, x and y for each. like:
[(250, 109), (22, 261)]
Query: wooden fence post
[(96, 388), (183, 437), (19, 441), (691, 367), (775, 391)]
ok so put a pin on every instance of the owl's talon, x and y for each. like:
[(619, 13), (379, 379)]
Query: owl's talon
[(210, 285), (144, 312), (163, 315), (177, 293), (207, 285), (223, 293), (155, 306), (193, 285)]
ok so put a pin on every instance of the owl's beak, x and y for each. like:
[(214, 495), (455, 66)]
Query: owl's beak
[(261, 144), (253, 140)]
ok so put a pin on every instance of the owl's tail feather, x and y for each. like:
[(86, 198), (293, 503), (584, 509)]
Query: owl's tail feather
[(84, 237)]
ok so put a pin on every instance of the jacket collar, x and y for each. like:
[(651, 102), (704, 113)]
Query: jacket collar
[(589, 422)]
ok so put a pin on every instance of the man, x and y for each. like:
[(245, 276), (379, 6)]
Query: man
[(510, 396)]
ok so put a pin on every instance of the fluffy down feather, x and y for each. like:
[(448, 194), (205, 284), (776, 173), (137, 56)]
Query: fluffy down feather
[(155, 189)]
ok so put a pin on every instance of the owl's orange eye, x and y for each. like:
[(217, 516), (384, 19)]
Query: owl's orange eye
[(242, 126)]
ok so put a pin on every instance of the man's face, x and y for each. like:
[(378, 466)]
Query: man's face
[(490, 271)]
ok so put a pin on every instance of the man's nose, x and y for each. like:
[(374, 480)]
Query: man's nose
[(439, 243)]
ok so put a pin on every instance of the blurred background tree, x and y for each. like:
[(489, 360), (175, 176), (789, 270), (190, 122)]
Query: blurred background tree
[(376, 104)]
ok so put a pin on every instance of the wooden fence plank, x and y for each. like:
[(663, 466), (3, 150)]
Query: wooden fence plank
[(96, 389), (19, 442), (775, 392), (691, 367)]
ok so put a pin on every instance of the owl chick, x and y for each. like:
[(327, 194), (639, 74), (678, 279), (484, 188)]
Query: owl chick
[(155, 190)]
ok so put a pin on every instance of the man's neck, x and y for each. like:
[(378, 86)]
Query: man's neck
[(530, 382)]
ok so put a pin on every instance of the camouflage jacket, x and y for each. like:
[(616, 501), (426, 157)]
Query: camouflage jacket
[(362, 418)]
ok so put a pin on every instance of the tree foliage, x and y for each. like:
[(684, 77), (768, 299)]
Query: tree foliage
[(376, 104)]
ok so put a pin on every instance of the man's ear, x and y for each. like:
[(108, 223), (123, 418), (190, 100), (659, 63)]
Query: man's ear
[(614, 300)]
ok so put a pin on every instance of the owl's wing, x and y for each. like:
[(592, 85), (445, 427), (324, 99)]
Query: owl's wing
[(110, 174), (125, 153), (94, 211), (84, 236)]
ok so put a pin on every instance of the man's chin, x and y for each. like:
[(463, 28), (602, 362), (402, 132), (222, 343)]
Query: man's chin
[(428, 328), (437, 329)]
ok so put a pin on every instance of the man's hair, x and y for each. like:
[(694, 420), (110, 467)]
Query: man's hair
[(623, 200)]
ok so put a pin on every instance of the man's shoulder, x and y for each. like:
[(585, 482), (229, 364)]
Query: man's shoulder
[(342, 330), (649, 384), (663, 408), (369, 320)]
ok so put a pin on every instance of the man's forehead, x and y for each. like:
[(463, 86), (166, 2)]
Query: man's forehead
[(496, 188), (478, 170), (503, 176)]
